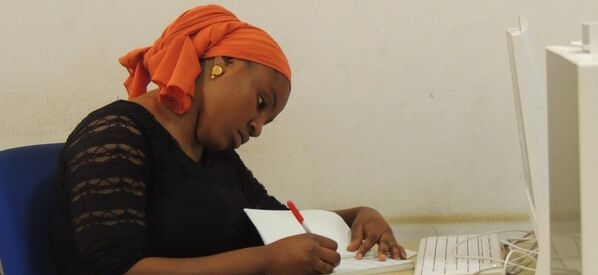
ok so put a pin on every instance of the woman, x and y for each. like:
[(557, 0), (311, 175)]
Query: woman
[(153, 185)]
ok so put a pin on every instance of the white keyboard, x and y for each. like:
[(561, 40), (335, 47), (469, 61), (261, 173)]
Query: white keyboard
[(448, 255)]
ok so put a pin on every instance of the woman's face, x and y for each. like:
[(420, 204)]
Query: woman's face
[(237, 104)]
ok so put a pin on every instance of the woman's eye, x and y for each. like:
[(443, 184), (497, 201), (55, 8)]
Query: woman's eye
[(261, 104)]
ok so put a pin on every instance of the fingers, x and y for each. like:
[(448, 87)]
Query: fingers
[(402, 253), (325, 242), (383, 249), (359, 243), (327, 261), (387, 246), (391, 248), (328, 257), (323, 267), (356, 239), (366, 245)]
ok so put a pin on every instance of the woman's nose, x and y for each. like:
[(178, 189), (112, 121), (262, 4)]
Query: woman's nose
[(255, 128)]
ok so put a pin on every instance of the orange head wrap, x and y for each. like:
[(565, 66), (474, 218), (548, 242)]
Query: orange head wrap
[(172, 62)]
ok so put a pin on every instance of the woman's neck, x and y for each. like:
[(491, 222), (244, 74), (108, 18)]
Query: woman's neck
[(181, 127)]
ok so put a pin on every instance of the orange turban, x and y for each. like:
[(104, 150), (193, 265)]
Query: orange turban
[(172, 62)]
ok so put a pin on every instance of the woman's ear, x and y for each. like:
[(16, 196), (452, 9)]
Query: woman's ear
[(219, 66)]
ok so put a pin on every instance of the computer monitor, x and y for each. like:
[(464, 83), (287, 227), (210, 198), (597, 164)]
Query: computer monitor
[(529, 92)]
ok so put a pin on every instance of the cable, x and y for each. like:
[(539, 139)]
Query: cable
[(509, 265), (529, 254), (511, 245)]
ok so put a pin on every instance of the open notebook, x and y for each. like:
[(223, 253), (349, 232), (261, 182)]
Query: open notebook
[(274, 225)]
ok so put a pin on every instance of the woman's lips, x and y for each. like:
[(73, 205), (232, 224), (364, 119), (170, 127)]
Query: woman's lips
[(240, 138)]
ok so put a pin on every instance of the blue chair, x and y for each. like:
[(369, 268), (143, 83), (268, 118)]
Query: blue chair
[(28, 186)]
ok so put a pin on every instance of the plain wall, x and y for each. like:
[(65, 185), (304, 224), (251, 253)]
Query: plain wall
[(405, 106)]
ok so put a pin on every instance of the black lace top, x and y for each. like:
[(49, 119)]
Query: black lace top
[(129, 192)]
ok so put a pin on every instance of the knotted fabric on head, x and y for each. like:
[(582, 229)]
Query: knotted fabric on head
[(173, 61)]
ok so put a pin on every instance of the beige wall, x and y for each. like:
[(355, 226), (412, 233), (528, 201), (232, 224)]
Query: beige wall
[(402, 105)]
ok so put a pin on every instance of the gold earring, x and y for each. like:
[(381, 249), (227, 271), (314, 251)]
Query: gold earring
[(216, 71)]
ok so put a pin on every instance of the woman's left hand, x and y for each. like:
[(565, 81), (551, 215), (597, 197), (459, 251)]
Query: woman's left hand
[(370, 228)]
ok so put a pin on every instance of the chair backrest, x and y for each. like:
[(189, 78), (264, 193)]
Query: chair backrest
[(28, 186)]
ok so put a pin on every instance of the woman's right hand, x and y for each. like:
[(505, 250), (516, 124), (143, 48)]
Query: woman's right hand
[(302, 254)]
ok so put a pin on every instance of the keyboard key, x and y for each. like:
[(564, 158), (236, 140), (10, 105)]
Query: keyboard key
[(440, 258), (462, 254), (494, 247), (473, 264), (484, 247), (451, 252), (430, 252)]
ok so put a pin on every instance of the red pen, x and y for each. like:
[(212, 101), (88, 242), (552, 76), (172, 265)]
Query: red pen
[(298, 216)]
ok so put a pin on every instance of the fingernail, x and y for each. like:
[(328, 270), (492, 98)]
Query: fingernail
[(359, 255), (403, 254)]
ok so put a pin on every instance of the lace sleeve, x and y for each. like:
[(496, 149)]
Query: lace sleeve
[(105, 176)]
